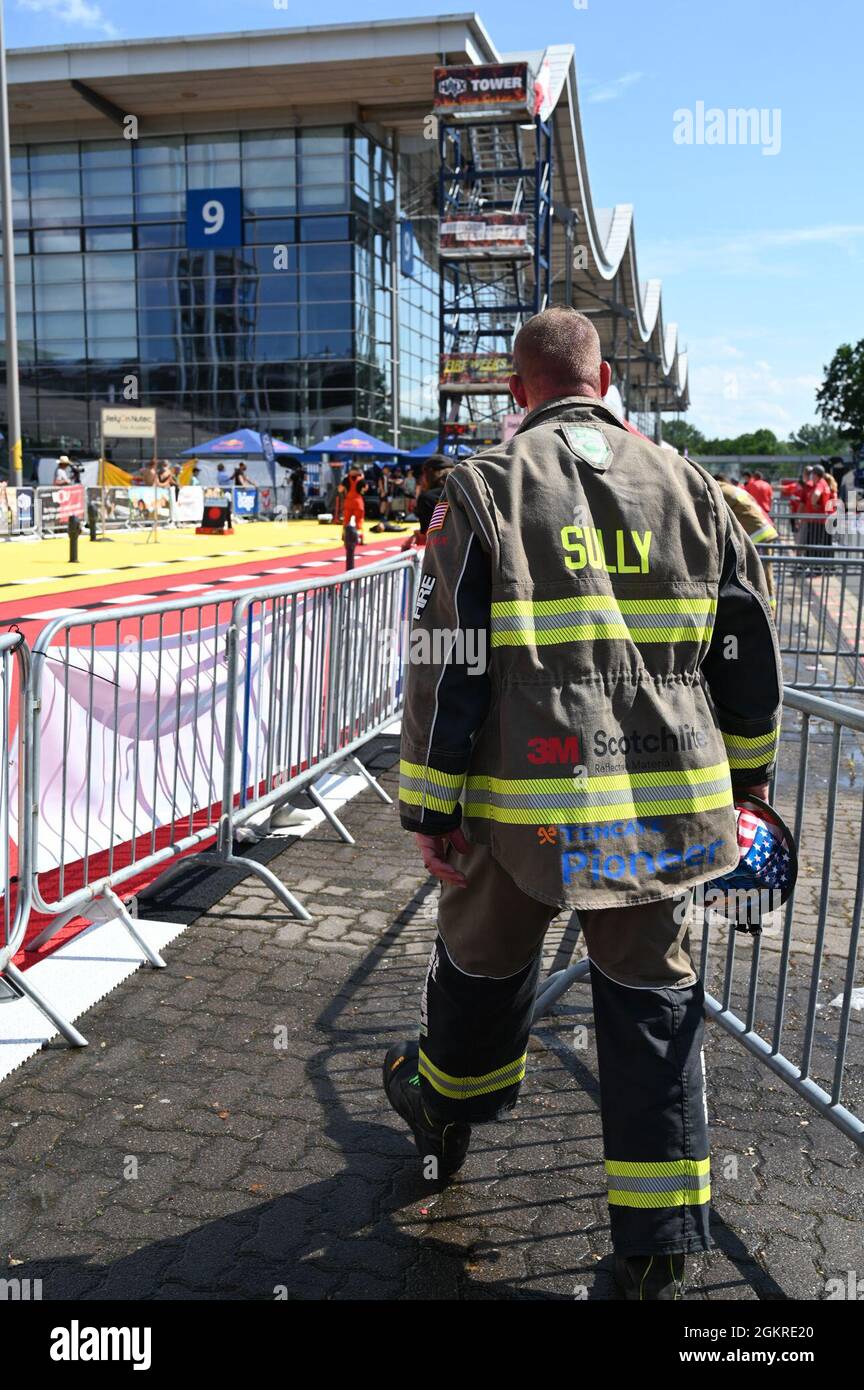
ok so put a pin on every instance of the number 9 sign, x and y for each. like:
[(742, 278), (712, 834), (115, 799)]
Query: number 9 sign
[(214, 218)]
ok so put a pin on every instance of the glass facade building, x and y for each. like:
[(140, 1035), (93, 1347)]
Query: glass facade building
[(291, 331)]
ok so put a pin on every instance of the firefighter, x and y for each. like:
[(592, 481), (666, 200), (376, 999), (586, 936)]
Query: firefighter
[(755, 520), (608, 673), (355, 507)]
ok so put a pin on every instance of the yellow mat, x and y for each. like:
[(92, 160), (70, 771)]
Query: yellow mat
[(34, 568)]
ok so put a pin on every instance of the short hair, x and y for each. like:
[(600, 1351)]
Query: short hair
[(557, 351)]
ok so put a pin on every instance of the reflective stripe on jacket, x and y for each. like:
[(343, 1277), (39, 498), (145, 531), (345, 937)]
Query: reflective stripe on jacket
[(593, 664)]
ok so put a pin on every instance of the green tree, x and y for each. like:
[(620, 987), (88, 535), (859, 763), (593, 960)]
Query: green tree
[(816, 439), (682, 435), (840, 398)]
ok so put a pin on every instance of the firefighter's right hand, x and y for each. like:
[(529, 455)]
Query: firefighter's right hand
[(433, 849)]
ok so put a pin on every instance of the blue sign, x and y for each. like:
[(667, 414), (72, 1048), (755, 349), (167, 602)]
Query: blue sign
[(245, 501), (406, 248), (214, 218)]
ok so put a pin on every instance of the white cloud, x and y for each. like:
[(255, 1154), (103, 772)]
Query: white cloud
[(611, 91), (749, 252), (75, 12), (728, 400)]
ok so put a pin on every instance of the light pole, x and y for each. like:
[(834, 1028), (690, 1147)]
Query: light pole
[(13, 400)]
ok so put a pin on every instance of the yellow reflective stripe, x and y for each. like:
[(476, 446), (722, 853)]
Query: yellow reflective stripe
[(462, 1087), (431, 774), (593, 632), (618, 781), (582, 603), (683, 1198), (765, 533), (587, 815), (744, 752), (666, 1168), (412, 796)]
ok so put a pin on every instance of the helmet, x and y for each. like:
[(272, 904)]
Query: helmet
[(766, 871)]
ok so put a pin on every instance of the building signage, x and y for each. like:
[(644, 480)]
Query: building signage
[(128, 422), (490, 87), (492, 234), (214, 218), (475, 371)]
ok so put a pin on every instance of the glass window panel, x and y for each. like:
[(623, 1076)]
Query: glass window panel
[(215, 174), (52, 270), (53, 325), (106, 182), (268, 173), (102, 154), (277, 318), (323, 140), (113, 349), (332, 344), (158, 322), (69, 350), (159, 149), (206, 148), (111, 295), (69, 296), (160, 234), (111, 323), (277, 347), (326, 287), (54, 156), (158, 204), (57, 241), (63, 185), (268, 142), (110, 267), (271, 231), (336, 256), (109, 209), (325, 228), (161, 350), (108, 239), (280, 288), (279, 199)]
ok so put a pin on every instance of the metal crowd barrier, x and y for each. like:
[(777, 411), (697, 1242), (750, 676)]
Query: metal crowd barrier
[(819, 614), (756, 972), (16, 732), (165, 726)]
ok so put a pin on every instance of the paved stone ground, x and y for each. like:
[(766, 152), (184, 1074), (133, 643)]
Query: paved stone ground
[(242, 1085)]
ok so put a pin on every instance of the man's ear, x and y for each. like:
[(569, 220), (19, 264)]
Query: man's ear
[(605, 378), (517, 391)]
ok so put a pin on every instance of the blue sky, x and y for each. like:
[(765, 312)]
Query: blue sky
[(761, 255)]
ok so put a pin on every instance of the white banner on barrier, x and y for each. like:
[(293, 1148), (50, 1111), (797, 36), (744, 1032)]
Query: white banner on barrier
[(189, 504)]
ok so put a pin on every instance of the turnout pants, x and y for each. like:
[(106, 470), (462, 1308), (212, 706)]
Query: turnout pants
[(475, 1019)]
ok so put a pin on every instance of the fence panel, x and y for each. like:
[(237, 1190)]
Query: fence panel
[(819, 602)]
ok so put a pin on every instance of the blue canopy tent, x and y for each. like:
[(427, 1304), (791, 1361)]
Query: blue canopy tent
[(239, 444), (425, 451), (351, 443)]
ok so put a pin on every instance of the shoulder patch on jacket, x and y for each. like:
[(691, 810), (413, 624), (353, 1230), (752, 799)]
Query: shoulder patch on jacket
[(590, 444)]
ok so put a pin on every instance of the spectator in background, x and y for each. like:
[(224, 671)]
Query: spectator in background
[(223, 477), (409, 491), (241, 477), (298, 493), (62, 473), (433, 478), (385, 493), (195, 479), (820, 502), (761, 491)]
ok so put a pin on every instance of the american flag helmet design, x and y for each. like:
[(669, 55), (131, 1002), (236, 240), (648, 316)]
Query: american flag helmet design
[(768, 864)]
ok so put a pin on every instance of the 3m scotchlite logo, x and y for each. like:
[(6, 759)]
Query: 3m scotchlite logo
[(563, 801), (594, 617), (744, 752), (465, 1087), (676, 1182), (420, 785)]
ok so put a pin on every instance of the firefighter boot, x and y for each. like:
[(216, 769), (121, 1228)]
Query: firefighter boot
[(445, 1141), (644, 1278)]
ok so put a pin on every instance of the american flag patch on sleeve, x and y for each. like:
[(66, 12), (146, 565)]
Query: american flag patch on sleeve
[(437, 519)]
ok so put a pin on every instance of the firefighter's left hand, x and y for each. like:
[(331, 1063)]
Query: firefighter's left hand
[(433, 849)]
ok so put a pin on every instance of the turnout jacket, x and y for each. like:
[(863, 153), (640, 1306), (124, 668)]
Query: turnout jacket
[(592, 665)]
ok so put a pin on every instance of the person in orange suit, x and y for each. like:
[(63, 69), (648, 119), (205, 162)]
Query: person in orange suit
[(355, 507)]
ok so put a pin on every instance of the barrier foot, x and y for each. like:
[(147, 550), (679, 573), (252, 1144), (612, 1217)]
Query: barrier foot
[(373, 782), (68, 1030), (52, 928), (111, 907), (251, 866), (334, 820), (555, 985)]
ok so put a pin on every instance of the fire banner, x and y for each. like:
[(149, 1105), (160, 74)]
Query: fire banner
[(478, 372), (495, 234)]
